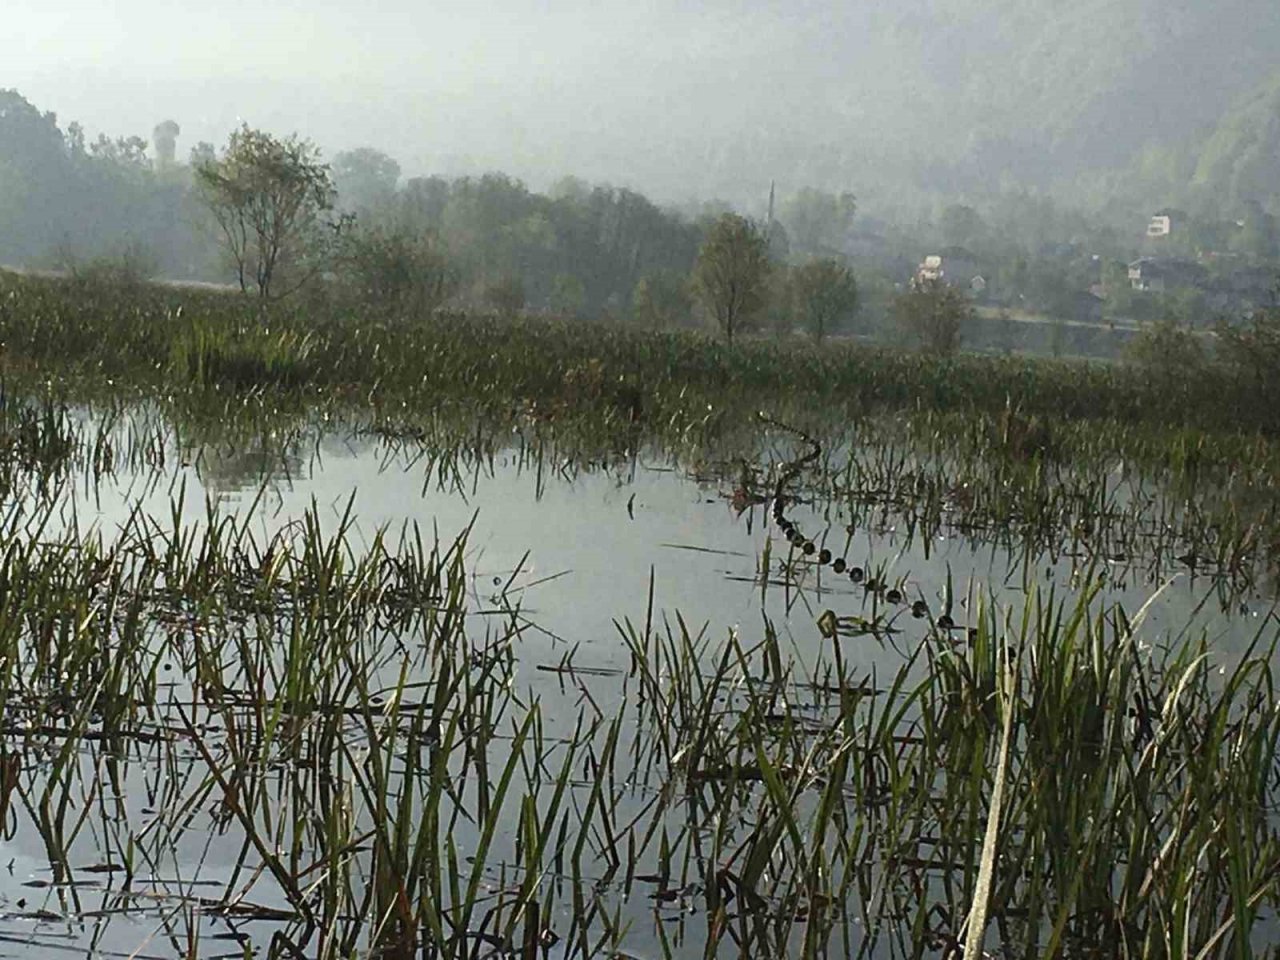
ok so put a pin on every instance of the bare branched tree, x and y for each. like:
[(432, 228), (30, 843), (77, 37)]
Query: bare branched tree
[(271, 199)]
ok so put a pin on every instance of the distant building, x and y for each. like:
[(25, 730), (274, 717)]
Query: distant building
[(1165, 223), (1145, 275), (961, 266), (165, 137), (955, 266), (1158, 274), (930, 271)]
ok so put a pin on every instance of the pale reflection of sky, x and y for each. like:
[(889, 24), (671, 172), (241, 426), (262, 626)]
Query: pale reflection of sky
[(581, 530), (592, 541)]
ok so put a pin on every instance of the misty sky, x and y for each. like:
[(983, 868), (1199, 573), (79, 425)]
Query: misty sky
[(515, 84), (679, 99)]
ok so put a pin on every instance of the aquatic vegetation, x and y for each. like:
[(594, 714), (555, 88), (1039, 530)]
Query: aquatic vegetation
[(336, 744), (1050, 453), (502, 365), (309, 737)]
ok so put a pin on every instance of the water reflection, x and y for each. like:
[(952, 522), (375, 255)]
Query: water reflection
[(575, 560), (578, 545)]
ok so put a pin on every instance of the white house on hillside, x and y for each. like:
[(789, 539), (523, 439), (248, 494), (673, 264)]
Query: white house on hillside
[(931, 270)]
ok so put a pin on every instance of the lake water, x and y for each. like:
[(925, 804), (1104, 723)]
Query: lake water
[(576, 550)]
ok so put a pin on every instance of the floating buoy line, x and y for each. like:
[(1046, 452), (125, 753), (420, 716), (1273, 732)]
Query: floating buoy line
[(796, 537)]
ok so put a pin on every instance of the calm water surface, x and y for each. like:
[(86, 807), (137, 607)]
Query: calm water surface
[(577, 549)]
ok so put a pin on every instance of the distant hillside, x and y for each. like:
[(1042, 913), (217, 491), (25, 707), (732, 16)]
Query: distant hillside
[(1240, 160), (1100, 80), (967, 95), (910, 104)]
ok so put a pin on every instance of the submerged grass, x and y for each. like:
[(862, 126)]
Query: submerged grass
[(1050, 455), (353, 738), (318, 743)]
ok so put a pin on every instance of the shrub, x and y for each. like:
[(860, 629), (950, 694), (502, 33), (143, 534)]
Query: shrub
[(1166, 348), (242, 356), (395, 270), (934, 315)]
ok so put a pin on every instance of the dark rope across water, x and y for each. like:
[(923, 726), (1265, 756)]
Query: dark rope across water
[(789, 471)]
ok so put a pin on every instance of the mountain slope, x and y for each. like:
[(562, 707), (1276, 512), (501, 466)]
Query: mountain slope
[(1240, 161)]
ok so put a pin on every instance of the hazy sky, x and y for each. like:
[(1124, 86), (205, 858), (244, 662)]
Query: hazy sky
[(681, 99), (434, 83)]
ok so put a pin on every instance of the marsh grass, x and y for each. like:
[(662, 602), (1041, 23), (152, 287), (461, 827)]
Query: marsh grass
[(319, 741), (1097, 459), (245, 356), (353, 735), (625, 375)]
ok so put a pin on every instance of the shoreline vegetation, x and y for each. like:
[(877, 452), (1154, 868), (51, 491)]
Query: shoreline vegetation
[(368, 754), (174, 339), (1178, 462)]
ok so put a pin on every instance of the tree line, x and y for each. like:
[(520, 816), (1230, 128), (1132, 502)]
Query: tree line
[(271, 215)]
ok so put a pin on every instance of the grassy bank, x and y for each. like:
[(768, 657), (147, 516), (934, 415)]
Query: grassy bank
[(1116, 460), (174, 341)]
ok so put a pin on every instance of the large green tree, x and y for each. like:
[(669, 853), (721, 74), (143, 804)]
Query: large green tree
[(34, 177), (365, 179), (661, 300), (1251, 347), (816, 221), (732, 272), (566, 295), (272, 200), (825, 295), (394, 270)]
